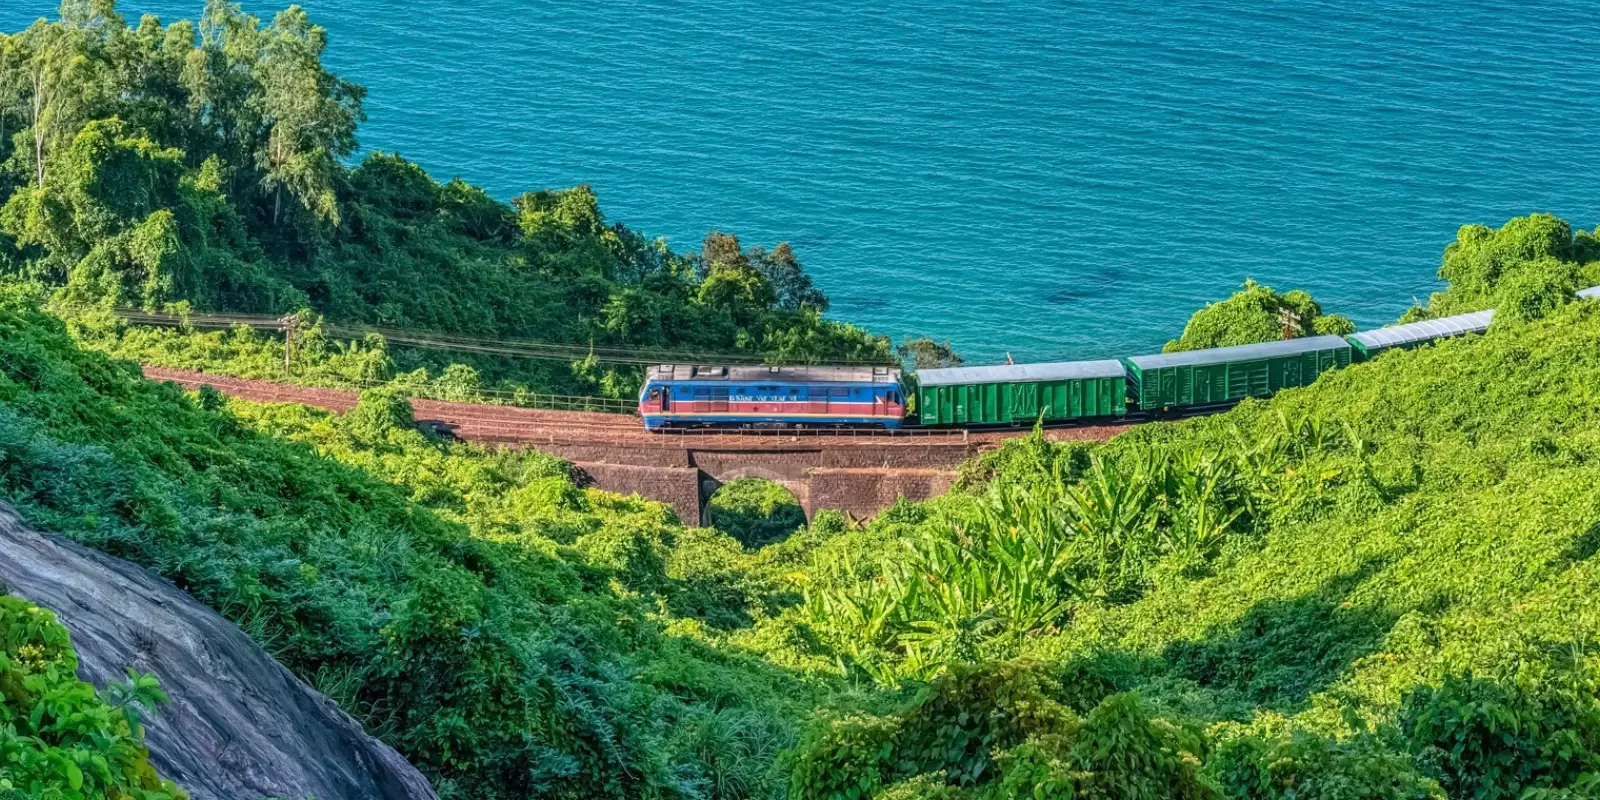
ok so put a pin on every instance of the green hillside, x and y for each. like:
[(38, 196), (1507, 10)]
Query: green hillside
[(1384, 585), (511, 634), (1380, 586)]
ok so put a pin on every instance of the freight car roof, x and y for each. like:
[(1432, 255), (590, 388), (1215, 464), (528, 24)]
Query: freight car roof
[(1426, 330), (1243, 352), (709, 372), (1021, 373), (1591, 293)]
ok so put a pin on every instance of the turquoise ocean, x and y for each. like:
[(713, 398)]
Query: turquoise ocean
[(1052, 180)]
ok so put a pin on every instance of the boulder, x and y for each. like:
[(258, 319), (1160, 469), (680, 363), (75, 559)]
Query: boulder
[(240, 725)]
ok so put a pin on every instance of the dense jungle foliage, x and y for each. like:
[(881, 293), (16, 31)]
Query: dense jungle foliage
[(58, 737), (203, 166)]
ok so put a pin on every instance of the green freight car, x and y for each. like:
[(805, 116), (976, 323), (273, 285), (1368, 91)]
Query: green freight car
[(1228, 374), (1369, 344), (1021, 393)]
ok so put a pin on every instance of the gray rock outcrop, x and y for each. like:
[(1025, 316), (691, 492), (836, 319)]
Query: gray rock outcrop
[(240, 725)]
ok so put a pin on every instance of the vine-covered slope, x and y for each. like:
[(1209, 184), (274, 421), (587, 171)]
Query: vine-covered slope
[(511, 634)]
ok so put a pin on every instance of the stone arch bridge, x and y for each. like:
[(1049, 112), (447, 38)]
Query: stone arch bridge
[(860, 479), (858, 474)]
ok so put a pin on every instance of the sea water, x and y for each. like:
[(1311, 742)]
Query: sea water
[(1052, 180)]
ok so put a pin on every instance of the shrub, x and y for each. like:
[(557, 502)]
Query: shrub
[(58, 737), (1533, 290), (636, 557), (1272, 759), (1254, 314), (1515, 269), (378, 415), (1489, 740), (1001, 730)]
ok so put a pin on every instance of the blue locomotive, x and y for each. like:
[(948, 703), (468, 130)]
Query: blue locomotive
[(680, 395)]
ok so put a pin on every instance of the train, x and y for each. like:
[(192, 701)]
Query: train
[(886, 398)]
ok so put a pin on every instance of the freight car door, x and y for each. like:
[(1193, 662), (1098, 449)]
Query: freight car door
[(1024, 400)]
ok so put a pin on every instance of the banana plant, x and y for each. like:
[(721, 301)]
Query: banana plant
[(1198, 517), (1113, 517)]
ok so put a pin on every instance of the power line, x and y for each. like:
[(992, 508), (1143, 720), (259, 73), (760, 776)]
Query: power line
[(432, 340)]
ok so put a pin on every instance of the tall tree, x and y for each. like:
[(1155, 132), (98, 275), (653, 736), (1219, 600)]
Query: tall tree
[(63, 80), (220, 78), (13, 91), (146, 66), (722, 248), (788, 279), (731, 284), (926, 353), (311, 117)]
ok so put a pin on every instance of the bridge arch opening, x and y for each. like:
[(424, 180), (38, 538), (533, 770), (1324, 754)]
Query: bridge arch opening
[(755, 510)]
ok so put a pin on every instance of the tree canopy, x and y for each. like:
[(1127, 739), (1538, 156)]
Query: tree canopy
[(207, 167), (1256, 314), (1529, 265)]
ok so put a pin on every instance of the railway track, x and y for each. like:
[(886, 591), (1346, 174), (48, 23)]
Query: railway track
[(857, 472), (499, 424)]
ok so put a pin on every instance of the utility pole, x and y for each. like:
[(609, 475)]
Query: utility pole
[(288, 344), (1290, 322)]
